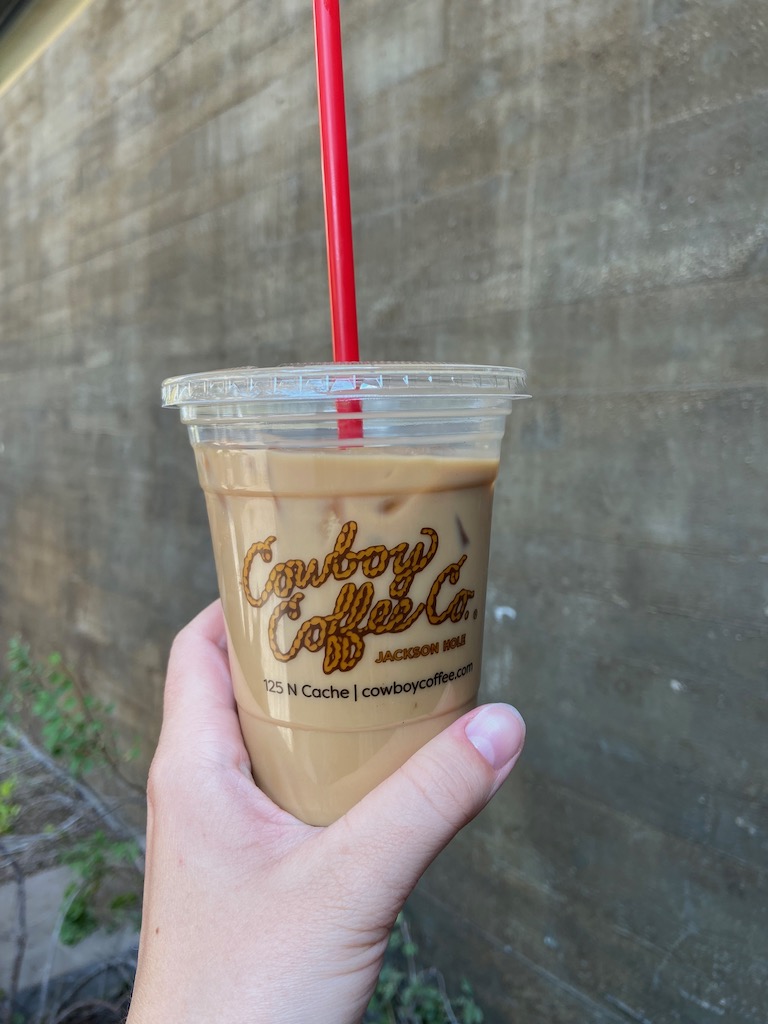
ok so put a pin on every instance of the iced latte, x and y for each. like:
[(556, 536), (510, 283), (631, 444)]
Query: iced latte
[(352, 573)]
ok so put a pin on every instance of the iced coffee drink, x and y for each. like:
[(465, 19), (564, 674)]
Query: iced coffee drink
[(352, 573)]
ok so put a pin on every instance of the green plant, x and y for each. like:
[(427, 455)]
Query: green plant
[(9, 811), (406, 994), (74, 729), (93, 861), (73, 724)]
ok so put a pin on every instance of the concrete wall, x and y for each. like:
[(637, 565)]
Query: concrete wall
[(576, 188)]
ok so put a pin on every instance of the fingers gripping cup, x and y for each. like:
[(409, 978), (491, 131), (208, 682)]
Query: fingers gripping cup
[(351, 564)]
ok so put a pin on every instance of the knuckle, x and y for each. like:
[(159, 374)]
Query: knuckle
[(161, 781), (175, 657)]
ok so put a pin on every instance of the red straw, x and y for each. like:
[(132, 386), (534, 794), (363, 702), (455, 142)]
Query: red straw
[(338, 211)]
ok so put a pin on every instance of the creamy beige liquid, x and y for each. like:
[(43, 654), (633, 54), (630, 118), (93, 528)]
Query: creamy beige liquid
[(353, 586)]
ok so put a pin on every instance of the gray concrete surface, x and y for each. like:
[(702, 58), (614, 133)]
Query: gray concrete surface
[(578, 188), (44, 954)]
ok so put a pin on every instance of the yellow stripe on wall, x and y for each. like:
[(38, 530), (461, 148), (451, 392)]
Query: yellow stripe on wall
[(33, 31)]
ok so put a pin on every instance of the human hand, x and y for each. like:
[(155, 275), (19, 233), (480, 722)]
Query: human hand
[(249, 914)]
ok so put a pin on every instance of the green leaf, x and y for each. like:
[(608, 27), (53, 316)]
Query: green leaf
[(124, 901), (79, 922)]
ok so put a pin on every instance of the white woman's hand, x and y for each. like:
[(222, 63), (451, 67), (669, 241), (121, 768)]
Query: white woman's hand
[(250, 915)]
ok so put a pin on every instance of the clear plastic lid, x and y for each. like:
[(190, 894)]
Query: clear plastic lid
[(310, 382)]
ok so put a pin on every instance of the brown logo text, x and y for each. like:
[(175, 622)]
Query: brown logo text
[(356, 613)]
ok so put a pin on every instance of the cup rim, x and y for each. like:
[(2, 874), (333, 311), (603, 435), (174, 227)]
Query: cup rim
[(308, 382)]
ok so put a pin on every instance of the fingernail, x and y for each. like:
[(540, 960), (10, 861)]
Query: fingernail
[(497, 732)]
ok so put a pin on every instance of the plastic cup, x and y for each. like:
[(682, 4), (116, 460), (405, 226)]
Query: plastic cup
[(352, 569)]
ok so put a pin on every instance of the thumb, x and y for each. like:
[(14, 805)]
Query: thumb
[(398, 829)]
